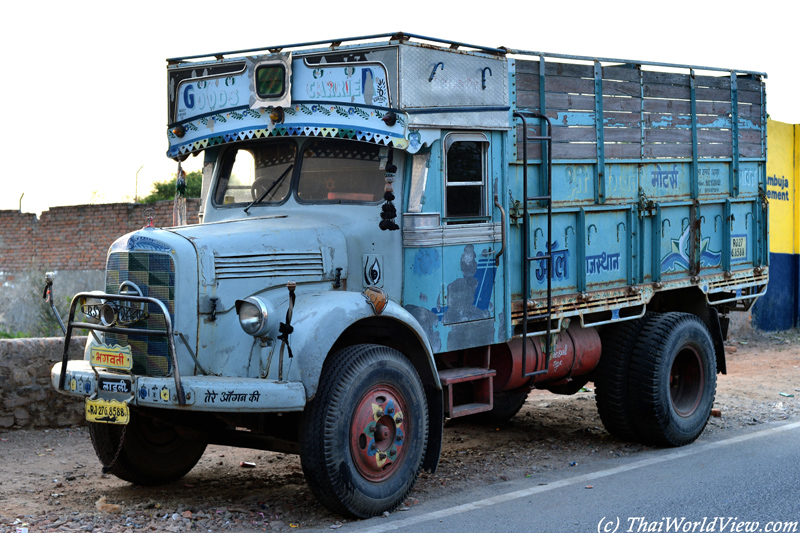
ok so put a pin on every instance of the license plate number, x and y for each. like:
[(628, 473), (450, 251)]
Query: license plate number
[(107, 411)]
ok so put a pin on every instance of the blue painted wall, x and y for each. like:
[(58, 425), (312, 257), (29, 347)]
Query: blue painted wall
[(779, 309)]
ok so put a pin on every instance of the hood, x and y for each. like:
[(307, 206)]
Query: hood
[(253, 254)]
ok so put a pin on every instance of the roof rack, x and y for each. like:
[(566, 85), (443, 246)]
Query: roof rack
[(628, 61), (334, 43), (453, 45)]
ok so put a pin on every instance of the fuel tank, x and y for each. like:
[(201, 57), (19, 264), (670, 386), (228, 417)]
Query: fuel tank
[(576, 352)]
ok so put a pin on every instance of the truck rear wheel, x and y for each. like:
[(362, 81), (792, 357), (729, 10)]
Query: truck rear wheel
[(611, 377), (152, 452), (365, 432), (673, 378)]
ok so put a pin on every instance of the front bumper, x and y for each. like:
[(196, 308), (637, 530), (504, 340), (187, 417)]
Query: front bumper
[(203, 393)]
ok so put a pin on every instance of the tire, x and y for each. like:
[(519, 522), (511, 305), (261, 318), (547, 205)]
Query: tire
[(673, 379), (611, 377), (152, 453), (506, 405), (364, 435)]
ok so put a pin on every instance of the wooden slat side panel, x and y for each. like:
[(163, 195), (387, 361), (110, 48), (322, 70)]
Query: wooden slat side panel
[(674, 92), (561, 84), (571, 118), (527, 66), (668, 150), (570, 102), (622, 151), (650, 77), (622, 88), (570, 70), (621, 103), (750, 150), (577, 134), (626, 135), (534, 150), (751, 110), (724, 82), (668, 136), (714, 136), (713, 82), (749, 97), (574, 151), (621, 73), (664, 112), (715, 150), (528, 100), (750, 136), (713, 108), (527, 82), (724, 95), (652, 105), (621, 120), (666, 120), (749, 84), (714, 95)]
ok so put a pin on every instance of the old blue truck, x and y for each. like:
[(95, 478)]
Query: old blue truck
[(398, 229)]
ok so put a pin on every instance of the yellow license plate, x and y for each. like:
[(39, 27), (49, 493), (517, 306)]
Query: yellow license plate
[(107, 411), (111, 357)]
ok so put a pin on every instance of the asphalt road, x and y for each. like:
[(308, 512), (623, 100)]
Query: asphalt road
[(748, 481)]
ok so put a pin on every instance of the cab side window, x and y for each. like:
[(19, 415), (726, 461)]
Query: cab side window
[(465, 177)]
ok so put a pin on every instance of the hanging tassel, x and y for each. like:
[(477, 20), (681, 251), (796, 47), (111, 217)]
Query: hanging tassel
[(388, 210), (179, 206)]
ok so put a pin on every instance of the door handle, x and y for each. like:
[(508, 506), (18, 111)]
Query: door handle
[(502, 230)]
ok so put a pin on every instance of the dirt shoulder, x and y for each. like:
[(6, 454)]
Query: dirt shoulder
[(51, 479)]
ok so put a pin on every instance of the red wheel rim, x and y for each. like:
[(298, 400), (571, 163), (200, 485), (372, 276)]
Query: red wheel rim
[(686, 381), (377, 432)]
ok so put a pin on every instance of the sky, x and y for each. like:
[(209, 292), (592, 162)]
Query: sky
[(84, 87)]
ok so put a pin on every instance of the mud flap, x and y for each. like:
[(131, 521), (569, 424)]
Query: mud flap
[(436, 428), (713, 323)]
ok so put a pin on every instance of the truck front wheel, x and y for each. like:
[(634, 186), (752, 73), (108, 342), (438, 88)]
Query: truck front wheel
[(151, 452), (673, 379), (365, 432)]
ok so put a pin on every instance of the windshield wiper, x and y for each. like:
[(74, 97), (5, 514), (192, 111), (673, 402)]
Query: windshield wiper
[(274, 184)]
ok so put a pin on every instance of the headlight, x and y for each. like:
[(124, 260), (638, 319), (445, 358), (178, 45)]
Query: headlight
[(254, 314), (108, 314)]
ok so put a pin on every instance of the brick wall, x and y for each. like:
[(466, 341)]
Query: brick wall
[(71, 240), (74, 237)]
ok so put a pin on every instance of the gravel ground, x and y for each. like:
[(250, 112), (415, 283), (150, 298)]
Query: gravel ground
[(50, 480)]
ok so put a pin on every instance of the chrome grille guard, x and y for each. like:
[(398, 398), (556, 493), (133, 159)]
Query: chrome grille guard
[(71, 324)]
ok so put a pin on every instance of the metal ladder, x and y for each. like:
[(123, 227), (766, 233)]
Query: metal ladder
[(547, 148)]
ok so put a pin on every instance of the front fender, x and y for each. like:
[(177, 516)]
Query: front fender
[(319, 320)]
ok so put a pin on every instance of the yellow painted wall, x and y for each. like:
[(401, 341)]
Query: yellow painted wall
[(783, 171), (797, 184)]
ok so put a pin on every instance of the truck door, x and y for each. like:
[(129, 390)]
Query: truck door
[(469, 234), (451, 236)]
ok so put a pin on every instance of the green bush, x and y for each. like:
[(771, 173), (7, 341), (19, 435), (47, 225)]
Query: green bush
[(165, 190)]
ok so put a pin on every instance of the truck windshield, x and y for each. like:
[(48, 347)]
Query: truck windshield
[(252, 169), (331, 170), (335, 170)]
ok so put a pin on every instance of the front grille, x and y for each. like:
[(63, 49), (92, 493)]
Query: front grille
[(154, 274), (286, 264)]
